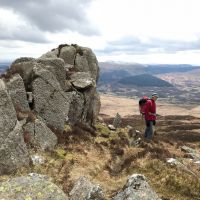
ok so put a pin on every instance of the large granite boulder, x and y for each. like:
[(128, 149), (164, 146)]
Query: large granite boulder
[(8, 118), (24, 67), (50, 101), (77, 100), (76, 108), (85, 190), (57, 67), (40, 136), (86, 61), (31, 187), (91, 106), (13, 151), (67, 53), (50, 54), (61, 86), (17, 92), (136, 188)]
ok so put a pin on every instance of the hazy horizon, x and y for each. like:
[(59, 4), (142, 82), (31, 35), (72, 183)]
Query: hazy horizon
[(120, 62)]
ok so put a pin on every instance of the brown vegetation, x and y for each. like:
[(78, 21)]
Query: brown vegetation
[(108, 158)]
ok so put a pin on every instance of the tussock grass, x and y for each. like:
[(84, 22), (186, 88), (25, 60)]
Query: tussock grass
[(108, 159), (170, 181)]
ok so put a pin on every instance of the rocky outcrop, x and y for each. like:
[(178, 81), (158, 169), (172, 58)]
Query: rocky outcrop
[(57, 80), (31, 187), (136, 188), (84, 189), (55, 89), (13, 151)]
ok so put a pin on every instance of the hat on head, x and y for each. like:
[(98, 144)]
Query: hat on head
[(154, 95)]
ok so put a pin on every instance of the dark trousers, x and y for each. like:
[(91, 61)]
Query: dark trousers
[(149, 129)]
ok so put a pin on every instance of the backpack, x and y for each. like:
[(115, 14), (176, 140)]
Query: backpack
[(142, 103)]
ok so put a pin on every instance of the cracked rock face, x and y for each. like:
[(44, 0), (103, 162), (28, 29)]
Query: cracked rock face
[(50, 101), (40, 136), (13, 151), (8, 118)]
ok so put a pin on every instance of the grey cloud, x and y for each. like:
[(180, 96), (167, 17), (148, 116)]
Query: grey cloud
[(133, 45), (53, 15), (22, 33), (171, 46)]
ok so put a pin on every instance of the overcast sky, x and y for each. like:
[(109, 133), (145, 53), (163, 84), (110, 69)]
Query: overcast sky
[(143, 31)]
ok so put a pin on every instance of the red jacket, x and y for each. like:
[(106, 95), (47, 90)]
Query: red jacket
[(150, 107)]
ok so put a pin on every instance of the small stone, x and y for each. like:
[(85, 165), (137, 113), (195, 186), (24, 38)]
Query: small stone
[(37, 160), (188, 149), (172, 161), (111, 127)]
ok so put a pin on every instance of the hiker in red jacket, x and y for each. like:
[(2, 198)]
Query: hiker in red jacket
[(150, 115)]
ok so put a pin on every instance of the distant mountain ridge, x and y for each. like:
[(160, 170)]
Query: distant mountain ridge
[(110, 76), (4, 66), (131, 68), (111, 72), (144, 80), (162, 69), (135, 68), (136, 80)]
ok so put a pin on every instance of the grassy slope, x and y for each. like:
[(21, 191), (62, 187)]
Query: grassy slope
[(108, 158)]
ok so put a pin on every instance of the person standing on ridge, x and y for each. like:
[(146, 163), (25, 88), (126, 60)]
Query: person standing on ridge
[(150, 116)]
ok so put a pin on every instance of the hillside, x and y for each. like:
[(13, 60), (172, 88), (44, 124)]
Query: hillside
[(182, 81), (109, 157), (112, 76), (131, 68), (108, 70), (144, 80), (163, 69), (4, 66)]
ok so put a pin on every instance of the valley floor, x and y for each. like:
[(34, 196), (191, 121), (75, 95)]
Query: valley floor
[(110, 105)]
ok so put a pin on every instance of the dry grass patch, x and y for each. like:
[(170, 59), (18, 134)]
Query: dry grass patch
[(168, 181)]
